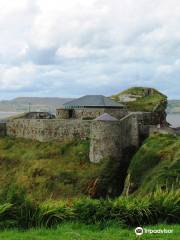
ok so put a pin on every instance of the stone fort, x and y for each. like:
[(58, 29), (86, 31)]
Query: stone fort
[(107, 124)]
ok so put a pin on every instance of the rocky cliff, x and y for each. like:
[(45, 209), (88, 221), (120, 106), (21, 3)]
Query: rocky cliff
[(140, 99)]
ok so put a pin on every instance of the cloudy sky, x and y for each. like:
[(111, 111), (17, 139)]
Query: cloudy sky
[(68, 48)]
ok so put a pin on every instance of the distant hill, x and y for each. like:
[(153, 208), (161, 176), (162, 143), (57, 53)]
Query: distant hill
[(173, 106), (22, 104), (136, 99)]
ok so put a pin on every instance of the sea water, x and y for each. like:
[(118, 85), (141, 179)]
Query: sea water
[(174, 119)]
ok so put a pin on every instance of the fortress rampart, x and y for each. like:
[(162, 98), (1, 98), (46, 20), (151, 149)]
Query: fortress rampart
[(45, 130), (107, 138)]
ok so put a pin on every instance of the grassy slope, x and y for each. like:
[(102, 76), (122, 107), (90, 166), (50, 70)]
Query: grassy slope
[(72, 231), (145, 103), (55, 170), (46, 170), (156, 163)]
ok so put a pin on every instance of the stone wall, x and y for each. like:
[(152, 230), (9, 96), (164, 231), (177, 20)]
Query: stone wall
[(146, 120), (90, 113), (62, 113), (105, 140), (48, 130), (130, 131), (2, 129), (109, 139)]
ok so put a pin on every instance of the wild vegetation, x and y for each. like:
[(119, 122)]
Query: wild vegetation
[(55, 170), (157, 163), (45, 170), (43, 185), (143, 102), (159, 207)]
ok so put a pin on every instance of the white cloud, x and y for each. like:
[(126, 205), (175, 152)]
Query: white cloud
[(75, 47), (15, 78), (71, 52)]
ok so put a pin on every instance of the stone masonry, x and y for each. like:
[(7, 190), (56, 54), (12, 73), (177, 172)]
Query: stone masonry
[(107, 139), (45, 130), (89, 113)]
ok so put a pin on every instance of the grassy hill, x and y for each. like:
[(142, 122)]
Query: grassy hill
[(156, 164), (140, 98), (60, 170), (53, 170), (46, 184), (45, 170)]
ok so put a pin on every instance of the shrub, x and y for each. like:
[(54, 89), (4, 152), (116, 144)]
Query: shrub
[(160, 207), (7, 215), (51, 214), (166, 205), (26, 214), (132, 211), (85, 210)]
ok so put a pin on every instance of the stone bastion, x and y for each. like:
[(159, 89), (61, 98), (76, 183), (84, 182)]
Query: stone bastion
[(108, 139)]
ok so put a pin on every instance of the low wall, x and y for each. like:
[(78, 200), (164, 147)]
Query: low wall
[(48, 130)]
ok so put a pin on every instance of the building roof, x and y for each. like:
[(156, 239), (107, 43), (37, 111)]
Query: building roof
[(93, 101), (106, 117)]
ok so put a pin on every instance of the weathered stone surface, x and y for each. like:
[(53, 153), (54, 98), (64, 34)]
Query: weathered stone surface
[(90, 113), (109, 139), (62, 113), (105, 141), (49, 130)]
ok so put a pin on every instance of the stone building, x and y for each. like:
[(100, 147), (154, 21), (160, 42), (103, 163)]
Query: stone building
[(90, 107)]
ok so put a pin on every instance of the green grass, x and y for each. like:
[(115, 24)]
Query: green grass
[(50, 170), (157, 163), (159, 207), (75, 231), (54, 170), (144, 103)]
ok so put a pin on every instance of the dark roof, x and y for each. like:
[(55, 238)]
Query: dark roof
[(106, 117), (93, 101)]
